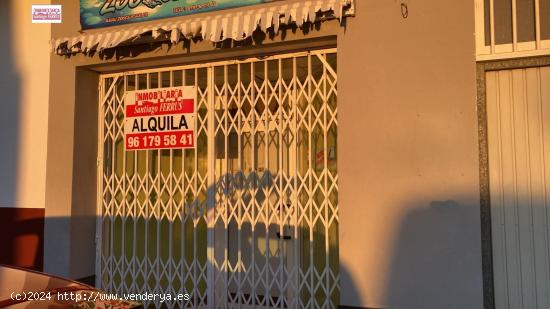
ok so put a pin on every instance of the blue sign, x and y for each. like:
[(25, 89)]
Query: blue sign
[(104, 13)]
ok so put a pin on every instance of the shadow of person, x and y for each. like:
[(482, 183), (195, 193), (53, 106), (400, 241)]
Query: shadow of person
[(434, 264)]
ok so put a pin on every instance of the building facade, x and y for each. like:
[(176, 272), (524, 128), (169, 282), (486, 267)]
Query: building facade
[(381, 154)]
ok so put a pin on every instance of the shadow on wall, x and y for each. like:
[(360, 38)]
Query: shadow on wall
[(154, 235), (437, 258), (433, 264)]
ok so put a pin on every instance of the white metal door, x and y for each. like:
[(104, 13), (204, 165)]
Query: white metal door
[(518, 121), (249, 219)]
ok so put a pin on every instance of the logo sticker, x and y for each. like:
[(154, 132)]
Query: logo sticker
[(46, 14)]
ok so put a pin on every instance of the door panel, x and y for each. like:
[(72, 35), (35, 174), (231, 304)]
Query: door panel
[(252, 185), (518, 114)]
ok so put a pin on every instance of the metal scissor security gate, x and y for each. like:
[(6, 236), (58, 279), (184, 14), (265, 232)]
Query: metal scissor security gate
[(248, 219)]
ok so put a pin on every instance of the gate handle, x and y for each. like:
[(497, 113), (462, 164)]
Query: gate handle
[(283, 237)]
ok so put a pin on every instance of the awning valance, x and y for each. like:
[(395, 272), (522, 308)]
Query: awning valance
[(234, 24)]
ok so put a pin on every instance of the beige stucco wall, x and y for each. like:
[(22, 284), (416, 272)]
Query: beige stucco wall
[(24, 86), (408, 166)]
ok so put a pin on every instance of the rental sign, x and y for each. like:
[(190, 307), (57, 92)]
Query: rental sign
[(103, 13), (160, 118)]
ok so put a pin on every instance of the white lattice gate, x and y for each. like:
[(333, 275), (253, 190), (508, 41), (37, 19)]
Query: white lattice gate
[(248, 219)]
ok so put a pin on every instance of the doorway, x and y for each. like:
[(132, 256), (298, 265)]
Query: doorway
[(517, 111), (247, 219)]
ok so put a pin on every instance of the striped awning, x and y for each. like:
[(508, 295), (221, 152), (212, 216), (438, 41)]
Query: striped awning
[(233, 24)]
